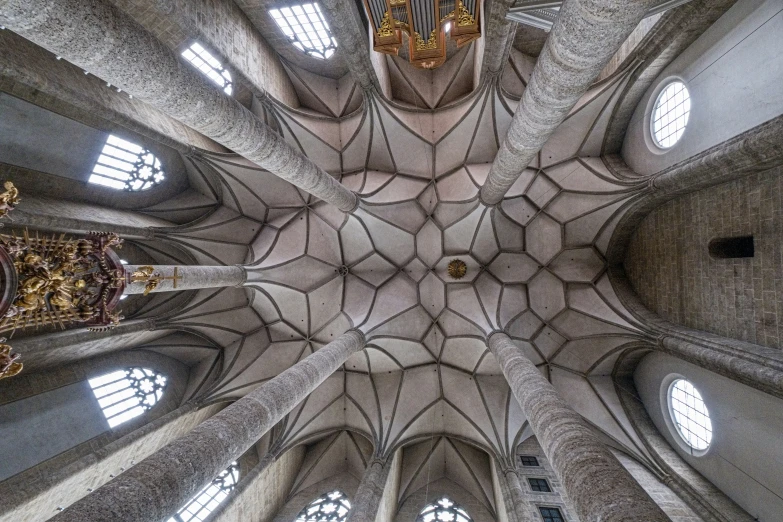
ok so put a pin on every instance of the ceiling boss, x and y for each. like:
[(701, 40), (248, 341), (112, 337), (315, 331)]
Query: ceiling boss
[(426, 24)]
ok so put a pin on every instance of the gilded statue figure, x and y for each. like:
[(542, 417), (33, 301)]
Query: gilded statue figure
[(8, 199), (8, 365)]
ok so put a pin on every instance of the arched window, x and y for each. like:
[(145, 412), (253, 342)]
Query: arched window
[(210, 497), (128, 393), (123, 165), (444, 510), (330, 507), (731, 247), (305, 27), (670, 115), (210, 66), (690, 414)]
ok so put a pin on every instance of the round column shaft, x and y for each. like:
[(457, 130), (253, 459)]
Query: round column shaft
[(157, 487), (517, 494), (368, 497), (185, 277), (97, 36), (585, 37), (595, 481)]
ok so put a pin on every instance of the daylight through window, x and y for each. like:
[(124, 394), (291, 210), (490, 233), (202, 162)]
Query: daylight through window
[(331, 507), (210, 66), (126, 394), (205, 502), (670, 117), (306, 29), (690, 414), (123, 165), (443, 510)]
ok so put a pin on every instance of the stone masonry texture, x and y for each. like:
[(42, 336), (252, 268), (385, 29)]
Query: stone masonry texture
[(669, 265), (593, 479)]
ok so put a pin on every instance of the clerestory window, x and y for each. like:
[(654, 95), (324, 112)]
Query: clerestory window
[(210, 66), (123, 165), (126, 394), (670, 115), (205, 502), (443, 510), (551, 514), (329, 507), (690, 415), (306, 28)]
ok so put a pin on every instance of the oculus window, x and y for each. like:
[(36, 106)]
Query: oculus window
[(670, 116), (330, 507), (210, 66), (126, 394), (690, 414), (444, 510), (205, 502), (123, 165), (306, 29)]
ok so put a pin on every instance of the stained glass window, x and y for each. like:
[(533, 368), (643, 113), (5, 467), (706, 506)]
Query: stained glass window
[(210, 66), (444, 510), (123, 165), (128, 393), (330, 507), (205, 502), (305, 27), (690, 414)]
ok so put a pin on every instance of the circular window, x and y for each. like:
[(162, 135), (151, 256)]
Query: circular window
[(690, 414), (670, 116)]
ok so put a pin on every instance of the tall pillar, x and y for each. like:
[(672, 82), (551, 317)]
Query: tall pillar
[(101, 39), (520, 504), (597, 484), (157, 487), (168, 278), (368, 497), (585, 37)]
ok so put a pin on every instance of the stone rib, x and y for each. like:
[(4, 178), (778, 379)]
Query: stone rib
[(595, 481), (155, 488), (583, 40), (108, 43)]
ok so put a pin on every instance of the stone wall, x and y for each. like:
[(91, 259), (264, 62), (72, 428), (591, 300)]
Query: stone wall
[(672, 505), (558, 496), (670, 268), (435, 490)]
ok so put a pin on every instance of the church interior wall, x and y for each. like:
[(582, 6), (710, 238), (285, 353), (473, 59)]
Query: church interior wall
[(744, 455), (717, 70), (676, 509), (414, 503), (343, 481), (557, 498), (671, 269)]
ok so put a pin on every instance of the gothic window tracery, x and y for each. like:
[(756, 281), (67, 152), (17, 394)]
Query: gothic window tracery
[(443, 510), (123, 165), (126, 394), (210, 66), (305, 27), (205, 502), (330, 507)]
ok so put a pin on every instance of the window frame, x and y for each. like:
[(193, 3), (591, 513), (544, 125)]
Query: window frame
[(541, 479), (544, 517), (436, 507), (294, 39), (121, 394), (535, 459), (232, 472), (205, 56), (673, 423), (304, 516), (116, 158), (663, 87)]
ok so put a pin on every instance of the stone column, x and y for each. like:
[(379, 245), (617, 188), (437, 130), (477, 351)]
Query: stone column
[(101, 39), (157, 487), (368, 497), (585, 37), (597, 484), (520, 504), (188, 277)]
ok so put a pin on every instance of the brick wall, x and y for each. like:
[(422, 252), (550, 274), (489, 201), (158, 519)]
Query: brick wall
[(670, 268)]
